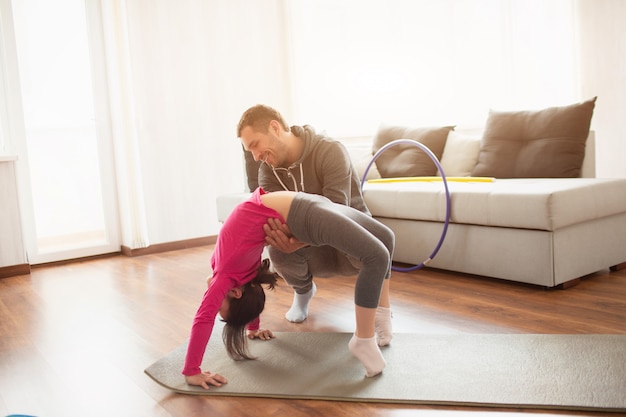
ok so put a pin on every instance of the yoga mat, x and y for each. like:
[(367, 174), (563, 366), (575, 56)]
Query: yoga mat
[(573, 372)]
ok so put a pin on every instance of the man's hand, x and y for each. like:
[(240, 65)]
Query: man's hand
[(262, 334), (278, 235), (204, 379)]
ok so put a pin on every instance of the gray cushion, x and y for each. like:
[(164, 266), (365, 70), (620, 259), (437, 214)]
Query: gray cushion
[(548, 143), (408, 160)]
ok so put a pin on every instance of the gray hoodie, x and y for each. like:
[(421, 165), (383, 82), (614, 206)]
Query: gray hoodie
[(325, 168)]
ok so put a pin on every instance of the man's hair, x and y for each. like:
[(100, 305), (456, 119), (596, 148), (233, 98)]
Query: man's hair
[(242, 311), (259, 117)]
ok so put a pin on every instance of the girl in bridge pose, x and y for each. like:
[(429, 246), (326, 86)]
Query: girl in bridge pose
[(235, 289)]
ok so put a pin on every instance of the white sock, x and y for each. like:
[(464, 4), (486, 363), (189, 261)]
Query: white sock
[(368, 352), (300, 307), (384, 333)]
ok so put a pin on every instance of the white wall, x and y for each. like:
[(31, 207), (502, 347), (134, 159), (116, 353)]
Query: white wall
[(603, 74)]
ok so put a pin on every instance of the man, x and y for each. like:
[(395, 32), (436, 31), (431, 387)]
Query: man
[(299, 159)]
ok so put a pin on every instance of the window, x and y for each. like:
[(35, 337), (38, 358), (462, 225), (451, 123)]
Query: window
[(66, 169)]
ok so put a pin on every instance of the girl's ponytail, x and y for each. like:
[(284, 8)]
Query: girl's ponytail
[(245, 309)]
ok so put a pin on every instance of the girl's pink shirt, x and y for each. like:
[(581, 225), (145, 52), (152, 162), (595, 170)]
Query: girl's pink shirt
[(235, 261)]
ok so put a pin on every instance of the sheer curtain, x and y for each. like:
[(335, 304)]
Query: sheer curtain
[(9, 100), (180, 73), (124, 125), (422, 62)]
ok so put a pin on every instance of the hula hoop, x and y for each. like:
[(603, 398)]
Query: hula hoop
[(432, 156)]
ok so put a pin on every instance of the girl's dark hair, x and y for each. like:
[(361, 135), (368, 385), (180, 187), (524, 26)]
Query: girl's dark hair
[(242, 311)]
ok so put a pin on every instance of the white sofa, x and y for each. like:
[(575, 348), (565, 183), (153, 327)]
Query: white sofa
[(544, 219), (543, 231)]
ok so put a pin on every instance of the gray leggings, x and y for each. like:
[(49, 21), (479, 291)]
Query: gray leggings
[(336, 233)]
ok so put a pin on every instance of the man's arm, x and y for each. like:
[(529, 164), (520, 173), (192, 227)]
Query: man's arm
[(334, 165)]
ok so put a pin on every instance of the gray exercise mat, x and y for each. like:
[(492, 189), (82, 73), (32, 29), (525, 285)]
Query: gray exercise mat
[(575, 372)]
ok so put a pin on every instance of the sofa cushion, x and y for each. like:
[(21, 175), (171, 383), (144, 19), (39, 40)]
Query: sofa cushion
[(361, 156), (548, 143), (407, 160), (460, 154), (539, 203)]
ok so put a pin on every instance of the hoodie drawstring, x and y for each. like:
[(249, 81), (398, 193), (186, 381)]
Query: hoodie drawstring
[(295, 184)]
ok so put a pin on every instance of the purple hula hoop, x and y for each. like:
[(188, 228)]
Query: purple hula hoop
[(445, 184)]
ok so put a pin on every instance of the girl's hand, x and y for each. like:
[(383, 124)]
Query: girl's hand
[(204, 379), (262, 334)]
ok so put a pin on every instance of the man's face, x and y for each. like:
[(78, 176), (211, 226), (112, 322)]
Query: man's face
[(266, 147)]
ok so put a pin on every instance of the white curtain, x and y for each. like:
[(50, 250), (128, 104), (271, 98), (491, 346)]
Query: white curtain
[(10, 98), (124, 131), (421, 62), (180, 74)]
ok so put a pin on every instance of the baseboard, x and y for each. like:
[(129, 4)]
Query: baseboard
[(14, 270), (169, 246), (72, 260), (24, 269)]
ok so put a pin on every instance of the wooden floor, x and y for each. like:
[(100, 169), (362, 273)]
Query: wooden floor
[(75, 338)]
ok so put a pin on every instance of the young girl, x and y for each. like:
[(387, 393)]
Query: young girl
[(235, 289)]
